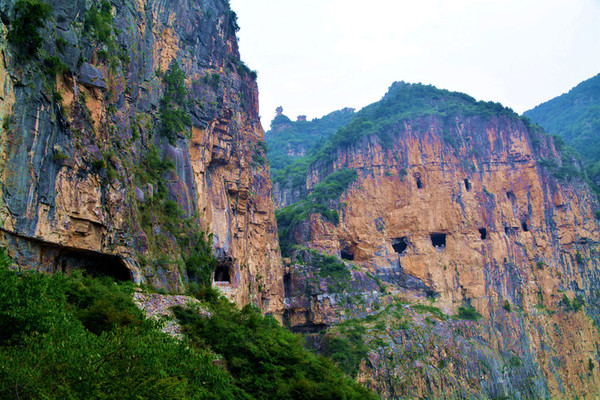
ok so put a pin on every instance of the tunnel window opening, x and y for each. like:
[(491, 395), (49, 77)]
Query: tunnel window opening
[(347, 254), (467, 185), (509, 230), (222, 273), (524, 226), (419, 183), (483, 233), (400, 244), (438, 240), (94, 264)]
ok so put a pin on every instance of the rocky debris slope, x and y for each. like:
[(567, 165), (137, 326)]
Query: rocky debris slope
[(131, 146), (159, 307), (466, 204)]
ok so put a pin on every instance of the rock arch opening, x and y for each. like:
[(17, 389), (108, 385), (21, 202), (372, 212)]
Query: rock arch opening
[(400, 244), (347, 254), (95, 264), (483, 233), (438, 240), (223, 272)]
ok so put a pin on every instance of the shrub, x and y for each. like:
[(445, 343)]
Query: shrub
[(507, 306), (30, 15), (264, 359), (72, 337), (98, 23), (55, 66), (468, 313), (98, 164), (174, 119)]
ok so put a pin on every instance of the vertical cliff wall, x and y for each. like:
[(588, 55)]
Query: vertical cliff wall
[(129, 132), (466, 205)]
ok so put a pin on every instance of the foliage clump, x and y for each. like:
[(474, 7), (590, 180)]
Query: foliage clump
[(468, 313), (23, 34), (264, 359), (173, 116)]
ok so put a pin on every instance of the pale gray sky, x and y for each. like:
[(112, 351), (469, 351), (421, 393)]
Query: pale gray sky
[(317, 56)]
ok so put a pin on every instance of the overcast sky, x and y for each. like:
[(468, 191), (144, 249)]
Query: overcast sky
[(317, 56)]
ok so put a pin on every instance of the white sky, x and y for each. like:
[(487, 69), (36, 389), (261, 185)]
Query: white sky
[(317, 56)]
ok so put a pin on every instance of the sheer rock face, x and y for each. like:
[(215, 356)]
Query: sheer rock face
[(59, 202), (484, 222)]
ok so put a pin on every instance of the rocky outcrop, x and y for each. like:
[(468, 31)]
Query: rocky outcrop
[(133, 129), (477, 210)]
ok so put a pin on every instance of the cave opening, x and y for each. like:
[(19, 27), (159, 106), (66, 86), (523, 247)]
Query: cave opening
[(438, 240), (400, 244), (419, 183), (222, 273), (483, 233), (94, 264), (524, 226), (467, 185), (509, 230), (347, 254), (511, 196)]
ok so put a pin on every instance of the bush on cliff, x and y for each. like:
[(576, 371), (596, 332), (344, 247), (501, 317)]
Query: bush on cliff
[(23, 33)]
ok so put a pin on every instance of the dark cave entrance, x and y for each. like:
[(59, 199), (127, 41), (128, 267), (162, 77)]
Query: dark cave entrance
[(483, 233), (95, 264), (222, 273), (400, 244), (419, 183), (511, 196), (438, 240), (524, 226), (467, 185), (347, 254)]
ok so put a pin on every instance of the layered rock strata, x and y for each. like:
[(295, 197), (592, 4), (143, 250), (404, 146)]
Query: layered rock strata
[(473, 211), (93, 142)]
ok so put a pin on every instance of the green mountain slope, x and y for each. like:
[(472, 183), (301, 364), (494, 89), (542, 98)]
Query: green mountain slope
[(575, 116), (288, 140)]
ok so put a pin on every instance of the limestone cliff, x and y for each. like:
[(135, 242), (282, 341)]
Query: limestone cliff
[(465, 207), (128, 132)]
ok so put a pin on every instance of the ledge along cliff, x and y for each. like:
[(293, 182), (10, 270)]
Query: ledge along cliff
[(131, 146), (444, 248)]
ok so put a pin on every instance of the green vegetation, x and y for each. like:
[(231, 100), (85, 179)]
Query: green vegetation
[(79, 337), (317, 201), (30, 15), (264, 359), (575, 117), (575, 306), (285, 134), (423, 308), (469, 313), (507, 306), (98, 23), (174, 119)]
